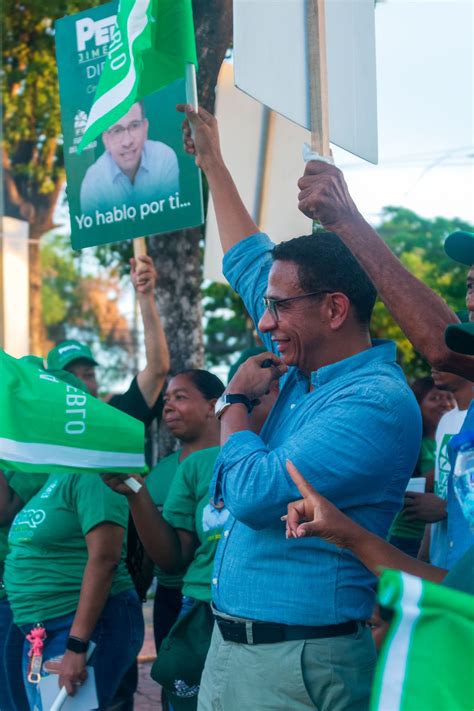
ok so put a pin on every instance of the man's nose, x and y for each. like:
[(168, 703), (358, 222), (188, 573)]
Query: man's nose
[(126, 138), (267, 322)]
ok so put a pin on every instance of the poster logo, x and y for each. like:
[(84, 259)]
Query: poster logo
[(93, 36)]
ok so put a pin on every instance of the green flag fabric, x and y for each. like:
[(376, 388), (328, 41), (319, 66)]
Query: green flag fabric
[(426, 660), (50, 425), (152, 43)]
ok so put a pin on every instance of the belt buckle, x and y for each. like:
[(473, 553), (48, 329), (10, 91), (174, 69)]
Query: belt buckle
[(249, 632)]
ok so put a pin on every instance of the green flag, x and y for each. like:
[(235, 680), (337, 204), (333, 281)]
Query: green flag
[(426, 660), (151, 45), (47, 424)]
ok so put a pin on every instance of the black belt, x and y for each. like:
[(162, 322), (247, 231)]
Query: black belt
[(269, 632)]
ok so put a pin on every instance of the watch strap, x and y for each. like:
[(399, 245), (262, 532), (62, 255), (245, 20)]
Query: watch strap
[(237, 398), (77, 645)]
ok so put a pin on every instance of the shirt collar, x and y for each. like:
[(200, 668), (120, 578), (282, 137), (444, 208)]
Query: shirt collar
[(116, 172), (381, 352)]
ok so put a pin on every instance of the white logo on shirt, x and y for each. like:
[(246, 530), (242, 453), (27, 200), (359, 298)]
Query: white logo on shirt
[(30, 517)]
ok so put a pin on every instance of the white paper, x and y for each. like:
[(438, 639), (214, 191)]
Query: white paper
[(418, 484), (271, 64), (85, 698)]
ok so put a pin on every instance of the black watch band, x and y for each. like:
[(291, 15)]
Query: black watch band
[(76, 645), (239, 399)]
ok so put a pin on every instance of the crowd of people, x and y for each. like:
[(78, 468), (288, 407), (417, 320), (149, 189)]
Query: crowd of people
[(292, 487)]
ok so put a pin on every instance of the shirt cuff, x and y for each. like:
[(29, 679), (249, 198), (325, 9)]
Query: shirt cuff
[(242, 256), (239, 446)]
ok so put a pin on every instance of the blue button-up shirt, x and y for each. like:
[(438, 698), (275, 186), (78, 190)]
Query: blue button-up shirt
[(355, 437)]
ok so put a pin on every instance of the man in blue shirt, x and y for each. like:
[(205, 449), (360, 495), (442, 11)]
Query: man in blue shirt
[(132, 169), (290, 630)]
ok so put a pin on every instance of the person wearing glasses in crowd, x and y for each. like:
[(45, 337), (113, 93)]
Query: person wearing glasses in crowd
[(132, 169), (346, 417)]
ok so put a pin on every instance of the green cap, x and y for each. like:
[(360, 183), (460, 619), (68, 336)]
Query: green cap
[(460, 247), (460, 338), (66, 352)]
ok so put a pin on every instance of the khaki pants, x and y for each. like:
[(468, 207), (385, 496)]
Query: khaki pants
[(330, 674)]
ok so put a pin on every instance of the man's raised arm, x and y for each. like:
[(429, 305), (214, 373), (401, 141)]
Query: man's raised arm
[(420, 313), (233, 220), (151, 379)]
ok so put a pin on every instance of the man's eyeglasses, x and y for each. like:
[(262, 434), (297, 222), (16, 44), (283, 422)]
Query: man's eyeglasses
[(133, 128), (273, 304)]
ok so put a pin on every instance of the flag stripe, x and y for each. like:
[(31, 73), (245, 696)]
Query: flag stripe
[(60, 455), (136, 23), (391, 691)]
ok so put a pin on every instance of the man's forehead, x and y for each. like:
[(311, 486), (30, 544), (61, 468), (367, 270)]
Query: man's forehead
[(470, 274), (132, 114), (283, 279)]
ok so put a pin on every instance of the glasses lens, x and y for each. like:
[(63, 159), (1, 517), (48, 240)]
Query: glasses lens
[(117, 132), (270, 304), (134, 127)]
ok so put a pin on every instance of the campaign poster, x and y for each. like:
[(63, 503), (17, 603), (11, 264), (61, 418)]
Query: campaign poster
[(135, 179)]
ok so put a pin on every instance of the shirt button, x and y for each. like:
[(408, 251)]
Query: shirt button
[(292, 406), (214, 581), (451, 544), (226, 533)]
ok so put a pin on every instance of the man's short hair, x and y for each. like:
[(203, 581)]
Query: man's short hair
[(325, 263)]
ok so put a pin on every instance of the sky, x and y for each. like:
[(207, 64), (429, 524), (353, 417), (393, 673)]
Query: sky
[(425, 66)]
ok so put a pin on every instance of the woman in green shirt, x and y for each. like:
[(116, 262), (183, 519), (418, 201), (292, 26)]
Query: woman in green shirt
[(189, 415), (65, 577)]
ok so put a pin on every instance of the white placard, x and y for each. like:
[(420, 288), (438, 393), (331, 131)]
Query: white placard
[(417, 483), (271, 64), (85, 698)]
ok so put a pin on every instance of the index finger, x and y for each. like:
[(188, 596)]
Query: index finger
[(304, 488), (196, 118)]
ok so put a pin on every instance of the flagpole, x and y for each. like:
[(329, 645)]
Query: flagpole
[(191, 86)]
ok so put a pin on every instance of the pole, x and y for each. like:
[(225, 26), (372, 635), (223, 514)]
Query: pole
[(139, 247), (318, 76)]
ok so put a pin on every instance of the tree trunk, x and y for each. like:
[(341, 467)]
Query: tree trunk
[(178, 263), (37, 331)]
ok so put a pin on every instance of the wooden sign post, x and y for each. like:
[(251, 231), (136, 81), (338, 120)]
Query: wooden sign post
[(139, 247), (318, 77)]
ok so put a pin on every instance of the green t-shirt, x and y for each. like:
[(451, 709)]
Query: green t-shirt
[(188, 506), (48, 550), (25, 486), (415, 529), (158, 483)]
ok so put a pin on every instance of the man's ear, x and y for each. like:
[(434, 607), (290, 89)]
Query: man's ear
[(338, 306), (146, 125), (212, 406), (106, 140)]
